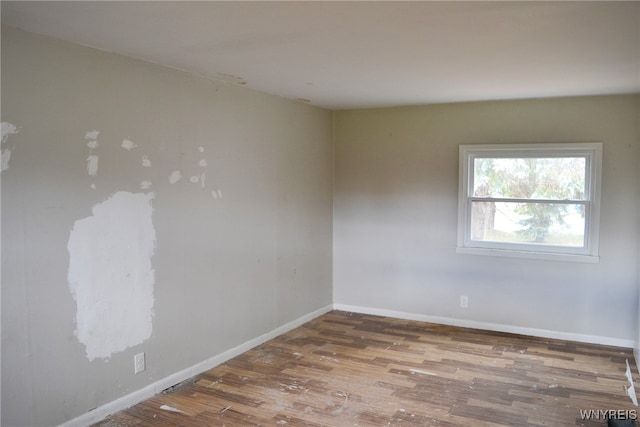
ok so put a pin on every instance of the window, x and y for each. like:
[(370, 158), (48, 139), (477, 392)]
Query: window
[(530, 200)]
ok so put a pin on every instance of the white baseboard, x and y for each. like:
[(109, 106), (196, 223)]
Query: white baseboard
[(497, 327), (151, 390)]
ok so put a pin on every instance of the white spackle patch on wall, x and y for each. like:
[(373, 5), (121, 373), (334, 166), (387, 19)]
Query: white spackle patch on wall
[(6, 156), (175, 177), (92, 135), (92, 161), (194, 179), (92, 165), (110, 274), (92, 139), (145, 185), (128, 144), (146, 162), (7, 129)]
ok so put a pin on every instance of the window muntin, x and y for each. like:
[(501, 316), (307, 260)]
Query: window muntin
[(525, 199)]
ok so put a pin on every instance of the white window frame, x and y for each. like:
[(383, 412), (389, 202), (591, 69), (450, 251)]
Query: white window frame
[(592, 151)]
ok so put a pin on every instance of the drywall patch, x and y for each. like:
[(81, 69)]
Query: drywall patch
[(7, 129), (110, 274)]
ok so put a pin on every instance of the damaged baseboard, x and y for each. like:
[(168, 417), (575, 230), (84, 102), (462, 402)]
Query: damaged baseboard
[(497, 327), (151, 390)]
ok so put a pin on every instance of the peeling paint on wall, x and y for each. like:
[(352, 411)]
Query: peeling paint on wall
[(110, 274), (7, 129)]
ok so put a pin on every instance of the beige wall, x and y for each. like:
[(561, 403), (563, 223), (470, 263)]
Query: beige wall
[(395, 214), (637, 346), (227, 268), (259, 254)]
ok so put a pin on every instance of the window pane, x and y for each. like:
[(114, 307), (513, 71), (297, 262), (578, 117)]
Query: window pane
[(555, 224), (555, 178)]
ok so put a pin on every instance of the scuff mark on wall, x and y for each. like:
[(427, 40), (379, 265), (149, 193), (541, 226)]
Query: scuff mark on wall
[(110, 274), (230, 78), (7, 129)]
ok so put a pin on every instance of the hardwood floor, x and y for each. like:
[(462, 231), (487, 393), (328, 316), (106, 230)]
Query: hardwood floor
[(345, 369)]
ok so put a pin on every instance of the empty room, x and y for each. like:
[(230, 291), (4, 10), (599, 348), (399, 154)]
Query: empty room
[(320, 213)]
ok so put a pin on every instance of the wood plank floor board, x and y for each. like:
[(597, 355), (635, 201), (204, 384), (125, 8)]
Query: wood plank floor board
[(346, 369)]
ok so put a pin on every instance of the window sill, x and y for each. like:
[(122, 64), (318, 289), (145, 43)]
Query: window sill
[(546, 256)]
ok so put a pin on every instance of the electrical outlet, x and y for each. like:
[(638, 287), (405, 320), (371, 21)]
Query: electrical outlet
[(464, 301), (138, 362)]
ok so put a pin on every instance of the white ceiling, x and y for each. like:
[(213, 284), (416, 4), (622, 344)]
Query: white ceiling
[(342, 55)]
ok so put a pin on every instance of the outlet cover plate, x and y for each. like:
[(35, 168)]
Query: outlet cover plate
[(138, 361)]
